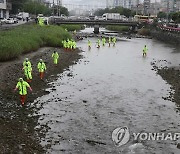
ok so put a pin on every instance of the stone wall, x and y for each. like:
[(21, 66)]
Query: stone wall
[(173, 38)]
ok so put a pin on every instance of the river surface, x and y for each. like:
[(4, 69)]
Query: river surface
[(111, 87)]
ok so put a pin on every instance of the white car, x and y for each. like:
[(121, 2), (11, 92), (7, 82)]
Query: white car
[(10, 21), (2, 20)]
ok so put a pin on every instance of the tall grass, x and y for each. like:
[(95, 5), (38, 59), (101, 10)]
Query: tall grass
[(72, 27), (144, 31), (118, 28), (27, 38)]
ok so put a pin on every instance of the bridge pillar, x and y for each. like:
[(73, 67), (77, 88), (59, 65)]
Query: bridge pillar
[(96, 29)]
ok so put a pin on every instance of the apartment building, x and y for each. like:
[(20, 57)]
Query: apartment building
[(5, 7)]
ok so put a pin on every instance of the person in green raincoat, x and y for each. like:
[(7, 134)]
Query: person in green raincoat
[(103, 41), (55, 57), (98, 43), (109, 41), (89, 44), (74, 45), (28, 73), (41, 21), (145, 49), (27, 61), (114, 41), (41, 68), (22, 87)]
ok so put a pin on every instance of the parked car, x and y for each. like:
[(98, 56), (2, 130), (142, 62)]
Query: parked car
[(10, 21), (15, 20), (2, 21)]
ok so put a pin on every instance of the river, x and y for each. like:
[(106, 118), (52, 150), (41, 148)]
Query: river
[(111, 87)]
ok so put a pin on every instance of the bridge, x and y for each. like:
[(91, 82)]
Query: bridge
[(97, 23)]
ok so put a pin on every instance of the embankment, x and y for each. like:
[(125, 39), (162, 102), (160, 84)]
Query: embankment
[(167, 37), (28, 38)]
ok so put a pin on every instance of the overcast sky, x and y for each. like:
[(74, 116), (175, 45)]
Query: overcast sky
[(92, 2)]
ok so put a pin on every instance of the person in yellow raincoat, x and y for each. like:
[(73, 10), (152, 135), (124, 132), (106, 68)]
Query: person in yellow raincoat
[(98, 43), (103, 41), (41, 68), (22, 87), (89, 44), (145, 49), (55, 57), (28, 73), (114, 41)]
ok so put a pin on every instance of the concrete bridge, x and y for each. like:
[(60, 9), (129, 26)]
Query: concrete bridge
[(98, 23)]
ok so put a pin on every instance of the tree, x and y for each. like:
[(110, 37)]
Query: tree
[(17, 6), (119, 9), (176, 17), (161, 15), (34, 7), (63, 10)]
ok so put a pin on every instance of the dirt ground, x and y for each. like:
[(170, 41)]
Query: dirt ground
[(17, 123), (172, 76)]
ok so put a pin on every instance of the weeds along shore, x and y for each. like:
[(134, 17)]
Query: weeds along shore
[(28, 38)]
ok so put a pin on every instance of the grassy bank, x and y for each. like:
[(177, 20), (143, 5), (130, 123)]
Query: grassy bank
[(72, 27), (27, 38), (118, 28), (144, 31)]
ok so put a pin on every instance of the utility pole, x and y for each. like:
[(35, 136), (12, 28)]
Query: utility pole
[(174, 5), (59, 7), (167, 11), (53, 8), (129, 4)]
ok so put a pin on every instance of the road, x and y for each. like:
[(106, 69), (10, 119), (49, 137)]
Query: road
[(7, 26), (111, 87)]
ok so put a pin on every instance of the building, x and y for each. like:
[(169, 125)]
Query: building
[(146, 6), (123, 3), (5, 7), (168, 5)]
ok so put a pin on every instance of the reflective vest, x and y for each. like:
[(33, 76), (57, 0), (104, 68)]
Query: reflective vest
[(74, 45), (114, 40), (22, 86), (41, 66), (98, 42), (55, 55), (89, 43), (27, 72), (145, 49), (27, 63)]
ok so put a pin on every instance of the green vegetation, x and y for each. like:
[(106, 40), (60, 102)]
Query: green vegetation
[(35, 7), (144, 31), (161, 15), (121, 10), (175, 16), (118, 28), (72, 27), (25, 39)]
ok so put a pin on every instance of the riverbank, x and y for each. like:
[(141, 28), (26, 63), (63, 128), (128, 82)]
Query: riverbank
[(172, 76), (28, 38), (17, 129), (167, 37)]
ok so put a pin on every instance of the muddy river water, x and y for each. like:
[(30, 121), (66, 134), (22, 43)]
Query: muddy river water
[(108, 88)]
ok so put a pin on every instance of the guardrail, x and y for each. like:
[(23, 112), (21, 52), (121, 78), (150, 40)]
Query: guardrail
[(96, 22), (169, 29)]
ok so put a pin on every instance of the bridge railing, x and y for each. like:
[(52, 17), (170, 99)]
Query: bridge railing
[(169, 29)]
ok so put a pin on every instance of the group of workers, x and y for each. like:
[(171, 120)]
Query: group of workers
[(69, 44), (113, 40), (22, 85), (41, 66), (110, 40)]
